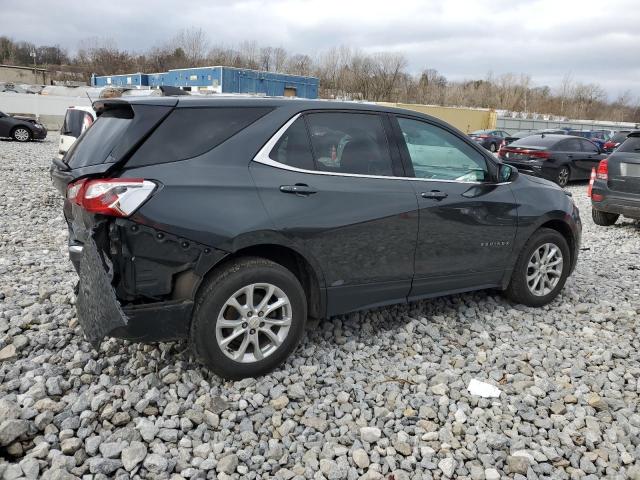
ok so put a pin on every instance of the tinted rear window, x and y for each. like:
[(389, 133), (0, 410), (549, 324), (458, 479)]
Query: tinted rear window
[(97, 143), (76, 122), (630, 145), (535, 141), (189, 132)]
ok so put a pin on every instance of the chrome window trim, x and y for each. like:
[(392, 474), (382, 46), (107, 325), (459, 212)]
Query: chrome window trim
[(263, 157)]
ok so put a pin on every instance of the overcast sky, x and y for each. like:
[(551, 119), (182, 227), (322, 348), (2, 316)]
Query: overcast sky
[(594, 41)]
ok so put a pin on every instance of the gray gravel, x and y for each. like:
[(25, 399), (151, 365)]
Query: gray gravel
[(379, 394)]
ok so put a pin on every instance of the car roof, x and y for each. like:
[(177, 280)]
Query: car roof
[(549, 139), (293, 105)]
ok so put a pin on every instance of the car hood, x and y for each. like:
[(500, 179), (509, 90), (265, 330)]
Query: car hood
[(24, 119)]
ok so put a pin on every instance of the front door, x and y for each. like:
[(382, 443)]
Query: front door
[(331, 184), (467, 221), (590, 157)]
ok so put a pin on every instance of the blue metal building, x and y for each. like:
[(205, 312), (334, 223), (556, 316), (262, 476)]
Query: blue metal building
[(218, 79)]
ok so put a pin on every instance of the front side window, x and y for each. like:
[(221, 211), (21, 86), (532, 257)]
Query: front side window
[(353, 143), (438, 154)]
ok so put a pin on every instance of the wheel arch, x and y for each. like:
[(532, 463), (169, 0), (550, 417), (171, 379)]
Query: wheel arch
[(27, 128), (310, 276)]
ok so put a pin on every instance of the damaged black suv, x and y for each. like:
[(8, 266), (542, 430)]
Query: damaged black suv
[(230, 221)]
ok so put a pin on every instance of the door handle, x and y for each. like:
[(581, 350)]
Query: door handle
[(298, 189), (569, 156), (434, 194)]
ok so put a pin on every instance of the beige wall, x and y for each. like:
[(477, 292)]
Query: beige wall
[(24, 75), (465, 119)]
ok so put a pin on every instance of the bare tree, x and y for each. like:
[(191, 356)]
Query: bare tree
[(194, 43)]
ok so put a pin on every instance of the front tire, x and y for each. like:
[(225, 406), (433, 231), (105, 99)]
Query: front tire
[(248, 318), (541, 270), (21, 134), (604, 219), (562, 178)]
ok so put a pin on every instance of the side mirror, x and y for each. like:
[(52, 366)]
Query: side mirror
[(507, 173)]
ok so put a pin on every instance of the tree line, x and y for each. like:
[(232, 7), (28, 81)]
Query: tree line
[(344, 73)]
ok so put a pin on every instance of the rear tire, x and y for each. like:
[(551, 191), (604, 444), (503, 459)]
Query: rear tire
[(231, 318), (604, 219), (522, 286), (21, 134), (563, 176)]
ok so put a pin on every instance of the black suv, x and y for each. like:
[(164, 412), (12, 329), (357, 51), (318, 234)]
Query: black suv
[(614, 187), (230, 221)]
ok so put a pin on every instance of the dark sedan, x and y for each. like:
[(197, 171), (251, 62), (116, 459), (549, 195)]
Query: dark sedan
[(21, 129), (559, 158), (489, 139), (615, 190)]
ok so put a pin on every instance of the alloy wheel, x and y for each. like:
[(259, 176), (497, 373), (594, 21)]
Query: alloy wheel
[(21, 134), (563, 177), (544, 269), (254, 322)]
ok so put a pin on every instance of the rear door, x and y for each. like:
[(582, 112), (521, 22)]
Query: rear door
[(332, 185), (467, 221)]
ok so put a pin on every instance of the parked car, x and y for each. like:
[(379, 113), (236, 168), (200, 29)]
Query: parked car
[(229, 221), (76, 121), (615, 190), (599, 137), (559, 158), (489, 139), (527, 133), (21, 129), (615, 141)]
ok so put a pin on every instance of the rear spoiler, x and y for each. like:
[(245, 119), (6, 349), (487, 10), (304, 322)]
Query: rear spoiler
[(169, 91)]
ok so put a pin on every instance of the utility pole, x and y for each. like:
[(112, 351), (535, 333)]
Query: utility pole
[(33, 54)]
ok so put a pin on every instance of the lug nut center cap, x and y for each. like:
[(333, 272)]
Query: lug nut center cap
[(254, 322)]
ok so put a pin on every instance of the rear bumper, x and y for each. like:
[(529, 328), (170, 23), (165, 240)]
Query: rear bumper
[(612, 201), (101, 314), (136, 282)]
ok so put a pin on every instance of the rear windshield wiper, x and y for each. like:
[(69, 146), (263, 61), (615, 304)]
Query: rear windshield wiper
[(61, 165)]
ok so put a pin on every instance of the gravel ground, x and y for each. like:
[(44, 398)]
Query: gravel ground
[(379, 394)]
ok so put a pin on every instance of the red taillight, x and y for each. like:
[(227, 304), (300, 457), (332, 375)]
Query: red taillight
[(591, 180), (603, 169), (116, 197), (538, 154)]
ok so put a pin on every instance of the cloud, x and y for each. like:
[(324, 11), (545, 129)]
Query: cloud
[(545, 39)]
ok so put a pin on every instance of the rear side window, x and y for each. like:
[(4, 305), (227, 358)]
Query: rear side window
[(350, 143), (570, 145), (293, 148), (587, 146), (630, 145), (189, 132)]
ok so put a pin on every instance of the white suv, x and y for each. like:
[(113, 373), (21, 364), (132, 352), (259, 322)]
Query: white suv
[(76, 121)]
